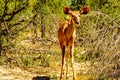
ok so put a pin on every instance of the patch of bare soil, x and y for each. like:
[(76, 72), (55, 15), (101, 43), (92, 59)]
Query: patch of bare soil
[(15, 73)]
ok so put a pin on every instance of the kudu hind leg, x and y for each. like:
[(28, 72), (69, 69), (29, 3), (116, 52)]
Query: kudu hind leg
[(63, 60)]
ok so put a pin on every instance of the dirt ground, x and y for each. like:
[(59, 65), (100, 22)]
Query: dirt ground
[(16, 73)]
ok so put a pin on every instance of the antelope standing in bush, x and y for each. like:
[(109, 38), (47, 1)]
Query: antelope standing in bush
[(66, 36)]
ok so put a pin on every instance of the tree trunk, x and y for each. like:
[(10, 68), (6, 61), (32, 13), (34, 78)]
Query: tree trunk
[(42, 26), (42, 31), (0, 40), (0, 46)]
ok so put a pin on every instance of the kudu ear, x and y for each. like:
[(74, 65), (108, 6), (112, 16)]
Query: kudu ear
[(85, 10), (67, 10)]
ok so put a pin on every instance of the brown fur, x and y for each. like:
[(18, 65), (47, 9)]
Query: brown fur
[(85, 10), (67, 10)]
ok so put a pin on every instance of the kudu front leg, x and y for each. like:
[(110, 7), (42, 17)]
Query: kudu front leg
[(67, 60), (72, 61)]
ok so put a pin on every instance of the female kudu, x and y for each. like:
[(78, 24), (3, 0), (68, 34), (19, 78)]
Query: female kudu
[(66, 36)]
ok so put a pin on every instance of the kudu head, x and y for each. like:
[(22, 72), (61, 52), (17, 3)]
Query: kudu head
[(76, 14)]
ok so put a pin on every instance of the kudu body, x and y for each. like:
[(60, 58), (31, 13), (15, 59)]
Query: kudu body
[(67, 35)]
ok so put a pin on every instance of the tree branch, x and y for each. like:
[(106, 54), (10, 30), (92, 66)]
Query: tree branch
[(12, 14)]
